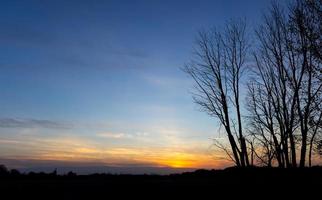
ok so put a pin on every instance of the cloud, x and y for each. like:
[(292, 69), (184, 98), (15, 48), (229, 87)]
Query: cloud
[(32, 123), (114, 135), (122, 135), (10, 142), (66, 148)]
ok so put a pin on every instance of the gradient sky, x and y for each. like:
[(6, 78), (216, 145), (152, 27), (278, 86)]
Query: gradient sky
[(100, 81)]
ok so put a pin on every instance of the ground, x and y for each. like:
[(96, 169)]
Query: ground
[(255, 183)]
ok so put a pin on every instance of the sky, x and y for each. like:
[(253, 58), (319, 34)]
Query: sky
[(101, 81)]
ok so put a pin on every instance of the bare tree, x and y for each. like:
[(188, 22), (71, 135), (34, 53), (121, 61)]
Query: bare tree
[(276, 112), (261, 123), (217, 69), (305, 26), (284, 94), (288, 84), (315, 134)]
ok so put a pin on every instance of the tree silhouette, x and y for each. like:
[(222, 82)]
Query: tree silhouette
[(284, 99), (286, 90), (217, 69)]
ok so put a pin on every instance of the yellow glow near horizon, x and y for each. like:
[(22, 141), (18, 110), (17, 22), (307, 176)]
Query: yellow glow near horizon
[(179, 164), (77, 150)]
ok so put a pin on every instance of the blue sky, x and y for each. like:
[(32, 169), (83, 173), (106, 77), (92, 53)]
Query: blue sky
[(101, 80)]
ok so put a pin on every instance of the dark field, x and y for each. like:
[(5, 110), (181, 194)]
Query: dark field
[(256, 183)]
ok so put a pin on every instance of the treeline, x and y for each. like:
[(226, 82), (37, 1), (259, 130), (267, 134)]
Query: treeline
[(5, 172), (315, 173), (230, 182), (280, 75)]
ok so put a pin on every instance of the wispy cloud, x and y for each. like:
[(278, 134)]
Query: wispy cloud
[(122, 135), (114, 135), (33, 123), (67, 148)]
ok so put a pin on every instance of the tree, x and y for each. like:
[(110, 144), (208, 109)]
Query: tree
[(261, 124), (286, 94), (3, 170), (284, 103), (217, 69), (305, 23), (319, 147)]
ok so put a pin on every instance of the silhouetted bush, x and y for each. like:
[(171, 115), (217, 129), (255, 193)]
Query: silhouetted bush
[(71, 174), (14, 172), (3, 170)]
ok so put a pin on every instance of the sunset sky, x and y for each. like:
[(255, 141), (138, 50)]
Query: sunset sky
[(100, 81)]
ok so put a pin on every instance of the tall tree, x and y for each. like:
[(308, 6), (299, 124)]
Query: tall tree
[(217, 69), (305, 26), (288, 75), (284, 94)]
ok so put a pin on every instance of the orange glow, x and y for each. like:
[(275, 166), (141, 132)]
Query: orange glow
[(179, 164), (73, 149)]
